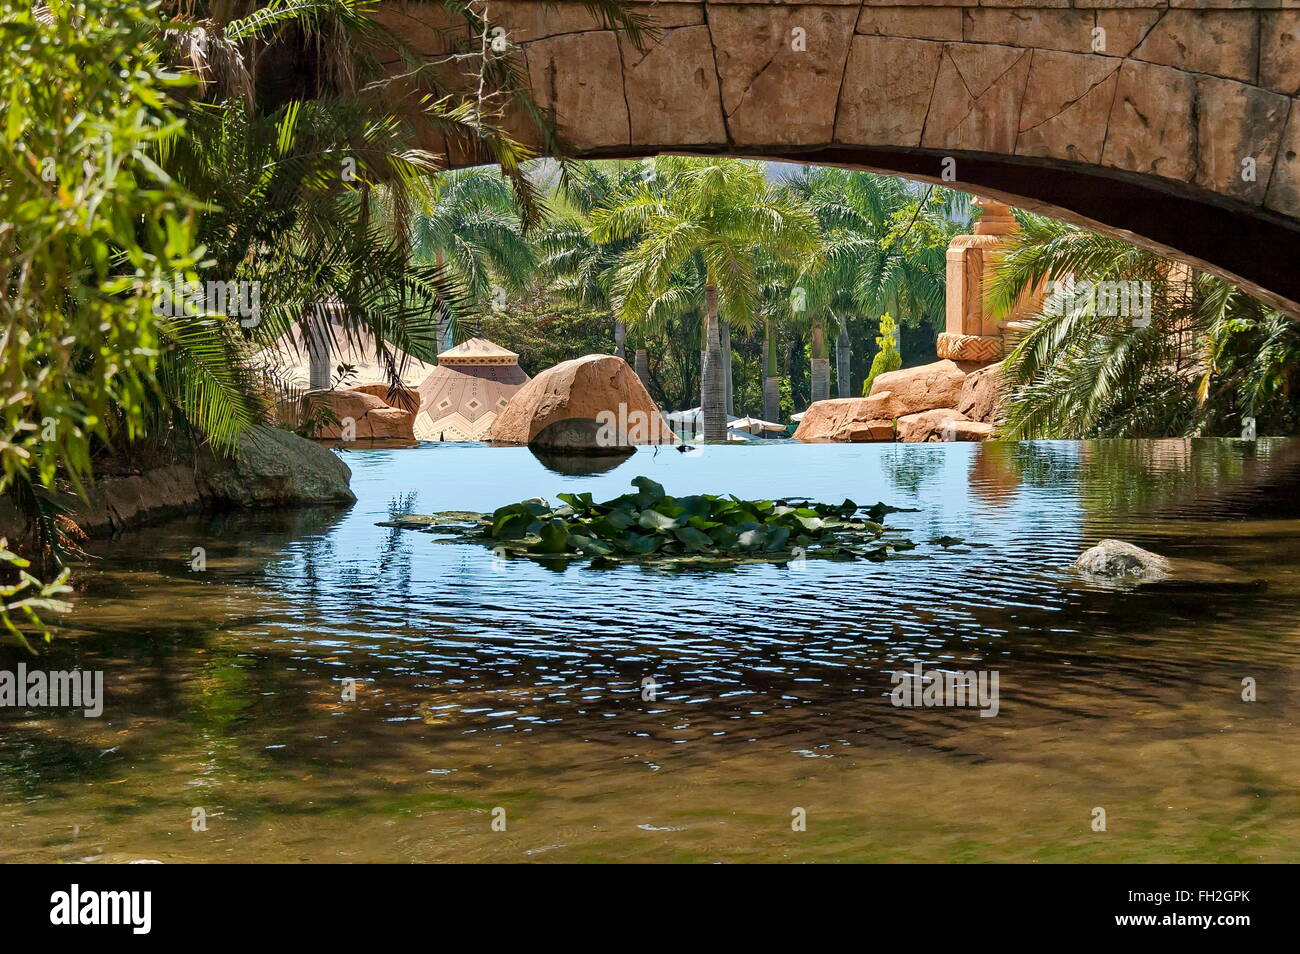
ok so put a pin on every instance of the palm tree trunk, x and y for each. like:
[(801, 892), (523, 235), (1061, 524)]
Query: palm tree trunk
[(446, 327), (843, 360), (712, 400), (771, 372), (728, 385), (642, 366), (620, 339), (794, 367), (318, 348), (821, 365)]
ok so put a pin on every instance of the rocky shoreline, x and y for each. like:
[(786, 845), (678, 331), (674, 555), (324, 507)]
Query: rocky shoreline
[(942, 401), (273, 468)]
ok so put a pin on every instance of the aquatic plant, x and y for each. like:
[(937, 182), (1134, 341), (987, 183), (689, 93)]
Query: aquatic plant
[(649, 525)]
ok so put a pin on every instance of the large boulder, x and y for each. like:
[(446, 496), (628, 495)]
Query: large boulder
[(373, 419), (941, 424), (896, 394), (843, 419), (271, 468), (981, 394), (275, 467), (591, 404)]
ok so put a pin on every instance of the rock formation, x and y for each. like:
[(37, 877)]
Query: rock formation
[(408, 399), (940, 424), (591, 404), (356, 415), (843, 419), (943, 400), (272, 468), (955, 398)]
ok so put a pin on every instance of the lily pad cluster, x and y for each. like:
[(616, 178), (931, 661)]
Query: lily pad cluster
[(649, 526)]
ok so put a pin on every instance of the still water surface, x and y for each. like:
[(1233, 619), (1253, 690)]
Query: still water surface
[(487, 684)]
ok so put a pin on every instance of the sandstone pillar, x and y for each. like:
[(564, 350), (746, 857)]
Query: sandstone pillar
[(973, 332)]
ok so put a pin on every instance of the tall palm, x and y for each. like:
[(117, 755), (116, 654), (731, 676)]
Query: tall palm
[(884, 252), (725, 212), (473, 231), (583, 268), (779, 307)]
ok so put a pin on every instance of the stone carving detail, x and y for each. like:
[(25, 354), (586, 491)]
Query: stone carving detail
[(981, 348)]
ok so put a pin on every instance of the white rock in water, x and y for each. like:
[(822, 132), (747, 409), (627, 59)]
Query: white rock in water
[(1115, 558)]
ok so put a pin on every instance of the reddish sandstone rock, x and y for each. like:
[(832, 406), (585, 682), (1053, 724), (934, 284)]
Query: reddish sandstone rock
[(407, 399), (980, 394), (937, 424), (912, 390), (594, 403), (971, 431), (843, 419), (372, 418), (871, 431)]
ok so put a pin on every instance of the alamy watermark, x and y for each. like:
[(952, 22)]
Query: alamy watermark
[(73, 689), (976, 689), (75, 907), (237, 299), (1104, 299)]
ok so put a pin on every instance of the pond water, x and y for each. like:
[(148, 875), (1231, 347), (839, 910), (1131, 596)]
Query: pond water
[(485, 684)]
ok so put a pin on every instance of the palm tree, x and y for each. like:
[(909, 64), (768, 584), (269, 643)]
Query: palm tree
[(884, 252), (1198, 357), (723, 211), (473, 232), (584, 267), (778, 307)]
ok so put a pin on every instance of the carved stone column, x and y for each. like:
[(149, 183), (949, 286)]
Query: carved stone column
[(974, 333)]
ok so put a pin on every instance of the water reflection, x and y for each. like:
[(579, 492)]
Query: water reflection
[(581, 465), (481, 682)]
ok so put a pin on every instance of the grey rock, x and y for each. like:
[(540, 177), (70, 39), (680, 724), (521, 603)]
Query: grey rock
[(273, 468), (276, 467), (1126, 563), (1115, 558)]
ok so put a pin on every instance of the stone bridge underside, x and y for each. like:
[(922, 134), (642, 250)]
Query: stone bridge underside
[(1172, 124)]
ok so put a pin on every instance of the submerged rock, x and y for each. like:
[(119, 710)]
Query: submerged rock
[(1120, 561), (1115, 559)]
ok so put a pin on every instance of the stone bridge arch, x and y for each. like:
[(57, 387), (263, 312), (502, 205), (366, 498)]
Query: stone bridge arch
[(1168, 122)]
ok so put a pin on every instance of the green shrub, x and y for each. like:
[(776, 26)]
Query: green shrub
[(887, 357)]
